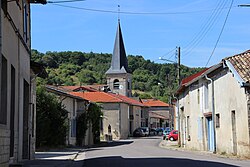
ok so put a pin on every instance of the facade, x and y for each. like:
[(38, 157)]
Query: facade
[(17, 133), (75, 106), (119, 80), (160, 114), (121, 114), (214, 107)]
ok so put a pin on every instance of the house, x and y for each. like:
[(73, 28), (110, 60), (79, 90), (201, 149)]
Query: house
[(160, 114), (16, 123), (121, 114), (75, 106), (214, 107)]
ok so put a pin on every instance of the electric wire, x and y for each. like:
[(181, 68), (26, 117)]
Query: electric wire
[(66, 1), (132, 13), (206, 28), (222, 29)]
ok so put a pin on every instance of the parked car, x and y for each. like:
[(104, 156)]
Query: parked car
[(159, 131), (173, 135), (165, 134), (138, 132), (145, 130), (152, 132)]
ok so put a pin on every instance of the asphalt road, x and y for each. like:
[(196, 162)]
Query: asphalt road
[(145, 152)]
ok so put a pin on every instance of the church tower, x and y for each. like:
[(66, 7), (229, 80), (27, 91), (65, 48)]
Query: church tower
[(118, 78)]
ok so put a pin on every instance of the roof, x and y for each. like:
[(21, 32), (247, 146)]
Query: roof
[(241, 63), (102, 97), (238, 64), (154, 103), (156, 115), (78, 88), (38, 69), (119, 63)]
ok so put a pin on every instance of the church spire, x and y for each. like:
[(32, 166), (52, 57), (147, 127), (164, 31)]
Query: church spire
[(119, 63)]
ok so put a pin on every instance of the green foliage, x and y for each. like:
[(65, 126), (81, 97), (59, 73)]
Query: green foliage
[(51, 120), (76, 68), (94, 116), (81, 128)]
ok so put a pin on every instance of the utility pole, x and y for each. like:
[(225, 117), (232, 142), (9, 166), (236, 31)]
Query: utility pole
[(179, 82), (179, 65)]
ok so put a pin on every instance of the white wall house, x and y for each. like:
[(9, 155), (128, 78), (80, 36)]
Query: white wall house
[(214, 107)]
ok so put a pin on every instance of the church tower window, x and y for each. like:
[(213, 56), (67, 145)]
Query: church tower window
[(116, 84)]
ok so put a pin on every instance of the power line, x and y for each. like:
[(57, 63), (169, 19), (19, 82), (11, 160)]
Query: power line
[(206, 28), (220, 32), (132, 13)]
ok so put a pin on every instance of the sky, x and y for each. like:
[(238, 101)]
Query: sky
[(206, 31)]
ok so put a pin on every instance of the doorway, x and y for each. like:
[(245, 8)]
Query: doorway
[(210, 134)]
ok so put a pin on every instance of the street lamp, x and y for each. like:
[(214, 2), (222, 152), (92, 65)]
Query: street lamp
[(244, 5)]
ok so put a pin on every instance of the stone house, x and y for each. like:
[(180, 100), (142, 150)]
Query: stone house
[(214, 107), (121, 115)]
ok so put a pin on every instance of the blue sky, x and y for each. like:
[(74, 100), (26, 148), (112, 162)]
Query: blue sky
[(151, 28)]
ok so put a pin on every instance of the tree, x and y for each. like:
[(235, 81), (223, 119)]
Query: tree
[(51, 121), (86, 77)]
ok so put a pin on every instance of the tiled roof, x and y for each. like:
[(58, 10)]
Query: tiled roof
[(103, 97), (74, 88), (191, 77), (241, 63), (154, 103)]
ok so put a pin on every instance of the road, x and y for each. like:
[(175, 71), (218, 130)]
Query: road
[(145, 152)]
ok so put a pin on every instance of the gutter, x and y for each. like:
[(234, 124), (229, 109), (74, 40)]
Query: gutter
[(213, 112)]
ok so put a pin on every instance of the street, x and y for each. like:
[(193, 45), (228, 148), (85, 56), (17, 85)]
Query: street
[(137, 152), (146, 152)]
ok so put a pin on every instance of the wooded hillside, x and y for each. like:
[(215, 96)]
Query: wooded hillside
[(78, 68)]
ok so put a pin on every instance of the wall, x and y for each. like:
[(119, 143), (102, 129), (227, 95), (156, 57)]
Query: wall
[(229, 96), (17, 55)]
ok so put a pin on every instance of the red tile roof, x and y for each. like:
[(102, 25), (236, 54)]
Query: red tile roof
[(241, 63), (191, 77), (74, 88), (154, 103), (103, 97)]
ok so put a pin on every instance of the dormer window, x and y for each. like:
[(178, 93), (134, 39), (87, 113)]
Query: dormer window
[(116, 84)]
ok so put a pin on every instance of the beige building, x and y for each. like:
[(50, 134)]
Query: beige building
[(75, 106), (214, 107), (121, 114)]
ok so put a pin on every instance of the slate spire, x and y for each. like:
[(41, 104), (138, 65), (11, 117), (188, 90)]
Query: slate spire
[(119, 63)]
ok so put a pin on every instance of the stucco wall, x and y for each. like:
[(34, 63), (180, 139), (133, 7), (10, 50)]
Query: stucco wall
[(229, 96)]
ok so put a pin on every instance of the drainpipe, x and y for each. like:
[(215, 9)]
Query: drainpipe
[(0, 45), (178, 119), (213, 112)]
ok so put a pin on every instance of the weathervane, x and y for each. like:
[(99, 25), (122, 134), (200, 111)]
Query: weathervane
[(118, 12)]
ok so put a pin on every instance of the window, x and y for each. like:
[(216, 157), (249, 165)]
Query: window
[(4, 6), (25, 22), (3, 111), (205, 86), (116, 84), (217, 121), (198, 96), (73, 128)]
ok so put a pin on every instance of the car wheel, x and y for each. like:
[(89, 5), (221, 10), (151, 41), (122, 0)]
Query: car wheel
[(171, 139)]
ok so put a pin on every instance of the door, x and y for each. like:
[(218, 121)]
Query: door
[(234, 133), (210, 134)]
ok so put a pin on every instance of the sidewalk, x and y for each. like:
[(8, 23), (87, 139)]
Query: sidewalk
[(54, 158)]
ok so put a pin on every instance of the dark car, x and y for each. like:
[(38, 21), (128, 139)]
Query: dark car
[(152, 132), (173, 135), (138, 132)]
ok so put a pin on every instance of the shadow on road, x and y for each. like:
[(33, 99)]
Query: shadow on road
[(112, 144), (118, 161)]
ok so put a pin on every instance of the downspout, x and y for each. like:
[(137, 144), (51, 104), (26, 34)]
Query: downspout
[(178, 119), (213, 112), (0, 46)]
